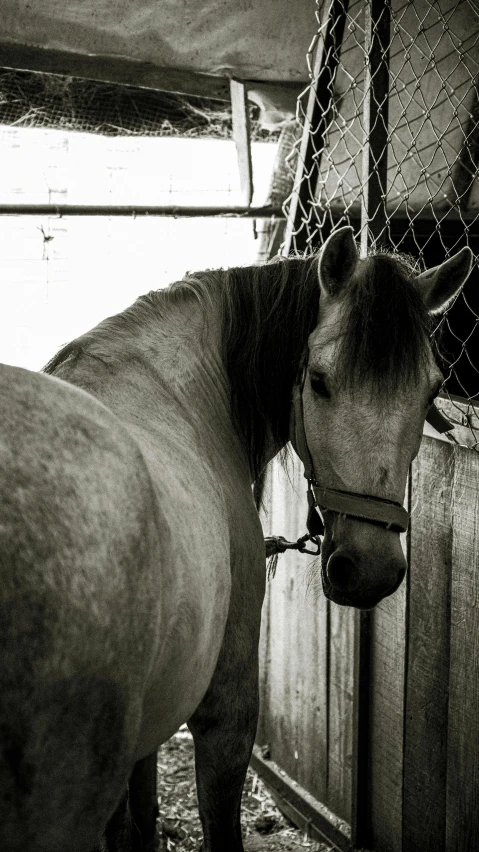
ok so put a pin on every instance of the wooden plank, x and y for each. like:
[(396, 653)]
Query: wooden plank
[(111, 69), (462, 804), (294, 714), (242, 137), (430, 568), (312, 709), (360, 798), (341, 687), (307, 615), (388, 639), (301, 807), (280, 735)]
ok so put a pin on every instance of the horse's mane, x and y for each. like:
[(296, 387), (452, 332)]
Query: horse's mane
[(267, 313)]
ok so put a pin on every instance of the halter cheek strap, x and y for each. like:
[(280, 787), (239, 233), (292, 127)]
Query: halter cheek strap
[(365, 507)]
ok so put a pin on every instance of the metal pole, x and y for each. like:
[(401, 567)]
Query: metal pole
[(139, 210)]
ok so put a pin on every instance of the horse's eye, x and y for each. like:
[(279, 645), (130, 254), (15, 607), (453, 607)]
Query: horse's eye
[(318, 385)]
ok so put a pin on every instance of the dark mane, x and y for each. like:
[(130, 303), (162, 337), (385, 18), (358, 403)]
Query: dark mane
[(267, 313), (386, 330)]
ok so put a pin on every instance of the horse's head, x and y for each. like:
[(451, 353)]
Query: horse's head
[(369, 379)]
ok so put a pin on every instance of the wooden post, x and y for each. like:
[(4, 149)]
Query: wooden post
[(315, 123), (241, 137), (114, 69), (375, 124), (428, 654)]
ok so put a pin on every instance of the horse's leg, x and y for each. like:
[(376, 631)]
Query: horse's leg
[(224, 725), (144, 804), (117, 834), (132, 827)]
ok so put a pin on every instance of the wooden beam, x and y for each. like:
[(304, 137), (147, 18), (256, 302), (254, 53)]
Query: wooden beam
[(301, 807), (242, 137), (112, 69)]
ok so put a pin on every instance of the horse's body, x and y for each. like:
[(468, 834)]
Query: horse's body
[(132, 557), (128, 521)]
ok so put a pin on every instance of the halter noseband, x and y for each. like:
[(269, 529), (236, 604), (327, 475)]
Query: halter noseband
[(365, 507)]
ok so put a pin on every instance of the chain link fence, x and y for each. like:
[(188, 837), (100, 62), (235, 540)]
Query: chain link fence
[(390, 145)]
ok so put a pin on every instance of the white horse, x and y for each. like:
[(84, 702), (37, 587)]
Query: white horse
[(132, 556)]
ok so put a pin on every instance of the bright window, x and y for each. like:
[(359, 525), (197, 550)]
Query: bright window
[(61, 276)]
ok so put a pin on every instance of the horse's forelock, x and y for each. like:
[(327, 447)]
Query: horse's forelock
[(385, 335)]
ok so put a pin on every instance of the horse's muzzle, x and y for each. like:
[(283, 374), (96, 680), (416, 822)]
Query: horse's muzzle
[(347, 581)]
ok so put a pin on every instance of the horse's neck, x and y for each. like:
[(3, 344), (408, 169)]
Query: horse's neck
[(170, 370), (188, 358)]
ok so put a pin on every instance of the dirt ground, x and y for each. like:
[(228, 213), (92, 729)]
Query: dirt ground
[(264, 827)]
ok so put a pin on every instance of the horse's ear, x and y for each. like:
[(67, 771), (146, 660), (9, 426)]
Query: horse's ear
[(440, 284), (337, 261)]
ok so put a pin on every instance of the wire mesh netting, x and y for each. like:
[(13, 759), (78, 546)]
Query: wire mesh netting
[(31, 99), (391, 144)]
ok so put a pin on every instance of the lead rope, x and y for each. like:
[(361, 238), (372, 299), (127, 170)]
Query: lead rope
[(277, 544)]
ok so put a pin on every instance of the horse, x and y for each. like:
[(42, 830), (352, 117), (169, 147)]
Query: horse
[(132, 554)]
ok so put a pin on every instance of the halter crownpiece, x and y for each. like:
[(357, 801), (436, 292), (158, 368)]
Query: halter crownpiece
[(365, 507)]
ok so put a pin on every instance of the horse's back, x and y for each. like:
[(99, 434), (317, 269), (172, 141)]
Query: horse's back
[(76, 514)]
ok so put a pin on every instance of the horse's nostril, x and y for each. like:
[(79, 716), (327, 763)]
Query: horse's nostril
[(342, 572)]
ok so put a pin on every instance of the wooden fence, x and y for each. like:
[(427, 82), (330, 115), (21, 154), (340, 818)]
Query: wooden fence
[(369, 727), (381, 752)]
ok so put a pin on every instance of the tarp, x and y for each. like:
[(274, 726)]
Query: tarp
[(248, 39)]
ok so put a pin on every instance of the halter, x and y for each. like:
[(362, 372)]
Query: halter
[(365, 507)]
